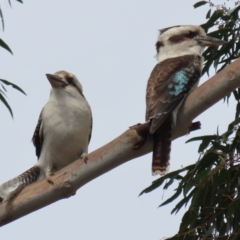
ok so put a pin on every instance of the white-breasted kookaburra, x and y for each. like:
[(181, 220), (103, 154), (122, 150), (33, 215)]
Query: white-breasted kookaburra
[(177, 73), (62, 134)]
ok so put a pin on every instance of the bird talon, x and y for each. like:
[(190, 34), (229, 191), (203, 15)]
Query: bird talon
[(49, 179), (84, 157)]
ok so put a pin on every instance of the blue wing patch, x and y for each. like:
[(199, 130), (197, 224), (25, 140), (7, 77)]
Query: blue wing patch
[(180, 80)]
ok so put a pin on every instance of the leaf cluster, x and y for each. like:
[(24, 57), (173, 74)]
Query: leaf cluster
[(224, 24), (4, 90), (211, 187), (3, 82)]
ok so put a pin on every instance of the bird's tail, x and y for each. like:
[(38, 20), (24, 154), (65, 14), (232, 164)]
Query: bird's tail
[(162, 148), (12, 187)]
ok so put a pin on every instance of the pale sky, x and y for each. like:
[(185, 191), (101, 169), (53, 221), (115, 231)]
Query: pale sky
[(110, 47)]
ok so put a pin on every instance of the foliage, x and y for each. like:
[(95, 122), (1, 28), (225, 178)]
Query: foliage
[(226, 25), (211, 187), (2, 81)]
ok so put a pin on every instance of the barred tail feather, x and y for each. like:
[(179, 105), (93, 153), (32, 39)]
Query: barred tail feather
[(162, 148), (30, 176), (12, 187)]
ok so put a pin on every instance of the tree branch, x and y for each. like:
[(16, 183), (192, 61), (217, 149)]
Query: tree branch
[(131, 144)]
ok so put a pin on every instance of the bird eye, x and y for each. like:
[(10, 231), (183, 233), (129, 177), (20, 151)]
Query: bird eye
[(69, 80), (190, 34), (159, 45)]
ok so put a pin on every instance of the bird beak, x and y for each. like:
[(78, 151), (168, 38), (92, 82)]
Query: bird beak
[(209, 41), (55, 81)]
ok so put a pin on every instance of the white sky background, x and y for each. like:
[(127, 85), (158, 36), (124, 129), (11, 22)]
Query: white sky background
[(109, 46)]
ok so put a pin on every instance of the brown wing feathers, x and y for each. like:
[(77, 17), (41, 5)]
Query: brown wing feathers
[(162, 98), (38, 137)]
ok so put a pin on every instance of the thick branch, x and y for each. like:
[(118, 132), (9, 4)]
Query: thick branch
[(120, 150)]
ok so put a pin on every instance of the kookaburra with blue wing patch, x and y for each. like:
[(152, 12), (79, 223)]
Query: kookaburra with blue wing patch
[(177, 73)]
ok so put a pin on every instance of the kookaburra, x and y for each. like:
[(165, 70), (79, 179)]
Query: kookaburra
[(177, 73), (62, 134)]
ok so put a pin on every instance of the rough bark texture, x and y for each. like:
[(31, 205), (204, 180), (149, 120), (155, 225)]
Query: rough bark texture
[(131, 144)]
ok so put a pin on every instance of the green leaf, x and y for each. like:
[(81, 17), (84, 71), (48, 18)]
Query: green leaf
[(220, 147), (200, 138), (235, 143), (233, 123), (211, 22), (205, 143), (200, 3), (215, 63), (4, 88), (225, 176), (3, 92), (226, 17), (234, 12), (218, 33), (237, 111), (170, 182), (155, 184), (196, 180), (1, 16), (13, 85), (185, 221), (233, 208), (4, 45), (235, 93), (184, 201), (238, 90), (208, 13), (216, 15), (207, 161), (172, 175), (6, 104), (174, 196)]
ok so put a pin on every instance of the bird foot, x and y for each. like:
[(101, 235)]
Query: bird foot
[(143, 133), (49, 177), (84, 157)]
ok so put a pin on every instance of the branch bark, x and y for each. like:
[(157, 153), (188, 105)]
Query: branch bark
[(122, 149)]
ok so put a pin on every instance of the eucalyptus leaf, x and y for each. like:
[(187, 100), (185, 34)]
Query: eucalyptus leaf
[(201, 138), (13, 85), (200, 3), (157, 183), (6, 104), (1, 16), (5, 46), (208, 13), (173, 197)]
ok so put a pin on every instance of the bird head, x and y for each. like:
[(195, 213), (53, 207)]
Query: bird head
[(65, 80), (183, 40)]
